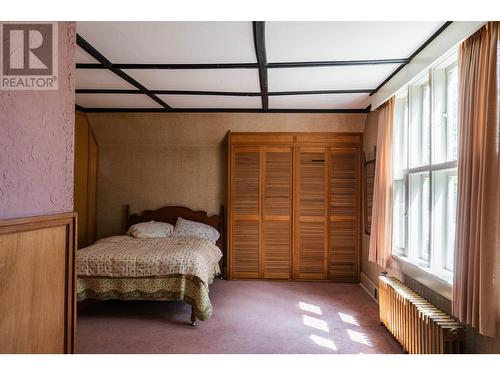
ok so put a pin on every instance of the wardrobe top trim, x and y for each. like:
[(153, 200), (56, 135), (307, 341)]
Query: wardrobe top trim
[(294, 138)]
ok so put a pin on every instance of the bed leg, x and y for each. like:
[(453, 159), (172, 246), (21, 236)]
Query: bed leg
[(193, 317)]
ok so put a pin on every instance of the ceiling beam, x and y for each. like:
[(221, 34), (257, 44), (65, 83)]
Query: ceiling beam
[(294, 64), (171, 66), (319, 92), (425, 44), (87, 47), (260, 51), (108, 91), (310, 64), (222, 110), (221, 93)]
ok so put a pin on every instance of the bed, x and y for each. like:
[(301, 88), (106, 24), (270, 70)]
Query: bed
[(159, 269)]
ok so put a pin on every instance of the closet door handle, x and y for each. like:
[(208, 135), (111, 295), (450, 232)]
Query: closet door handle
[(318, 160)]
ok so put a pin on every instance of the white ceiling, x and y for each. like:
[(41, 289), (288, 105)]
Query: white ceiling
[(198, 79), (171, 42), (320, 101), (329, 77), (323, 41), (233, 42), (116, 101), (100, 79), (84, 57), (212, 101)]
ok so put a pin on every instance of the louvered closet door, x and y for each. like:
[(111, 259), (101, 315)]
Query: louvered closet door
[(276, 213), (345, 182), (245, 211), (310, 258)]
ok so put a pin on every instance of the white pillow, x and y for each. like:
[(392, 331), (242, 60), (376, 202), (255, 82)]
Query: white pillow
[(153, 229), (194, 229)]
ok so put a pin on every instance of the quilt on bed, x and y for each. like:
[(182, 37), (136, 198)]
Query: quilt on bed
[(155, 269)]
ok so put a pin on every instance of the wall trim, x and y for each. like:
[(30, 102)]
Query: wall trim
[(369, 286), (219, 110)]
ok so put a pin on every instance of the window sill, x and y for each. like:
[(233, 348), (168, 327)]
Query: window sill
[(439, 282)]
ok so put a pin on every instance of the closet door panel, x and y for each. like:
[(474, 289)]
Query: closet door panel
[(245, 242), (277, 181), (276, 213), (245, 211), (245, 181), (344, 201), (311, 250), (276, 249), (312, 187), (311, 213)]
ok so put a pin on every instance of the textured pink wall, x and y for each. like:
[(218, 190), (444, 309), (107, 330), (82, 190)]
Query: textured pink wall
[(36, 142)]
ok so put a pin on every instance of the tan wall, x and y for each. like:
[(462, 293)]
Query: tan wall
[(370, 269), (153, 160)]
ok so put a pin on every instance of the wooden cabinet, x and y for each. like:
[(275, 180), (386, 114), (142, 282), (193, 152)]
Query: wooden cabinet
[(294, 206), (37, 284)]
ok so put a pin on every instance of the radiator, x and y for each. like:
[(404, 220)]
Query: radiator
[(419, 326)]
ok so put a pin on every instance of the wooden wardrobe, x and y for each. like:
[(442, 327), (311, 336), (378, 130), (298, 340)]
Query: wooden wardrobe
[(294, 204)]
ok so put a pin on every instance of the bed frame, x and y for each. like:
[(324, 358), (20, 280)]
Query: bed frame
[(169, 214)]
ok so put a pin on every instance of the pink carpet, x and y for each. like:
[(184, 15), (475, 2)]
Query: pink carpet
[(249, 317)]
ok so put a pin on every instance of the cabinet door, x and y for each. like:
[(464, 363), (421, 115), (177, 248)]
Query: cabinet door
[(310, 259), (245, 212), (344, 200), (277, 212)]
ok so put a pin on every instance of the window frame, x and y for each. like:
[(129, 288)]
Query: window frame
[(447, 70), (440, 258), (433, 266)]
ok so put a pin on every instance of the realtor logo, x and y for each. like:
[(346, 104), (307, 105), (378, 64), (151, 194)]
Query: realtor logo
[(28, 56)]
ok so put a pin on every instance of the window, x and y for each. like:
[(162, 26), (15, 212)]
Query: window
[(420, 122), (425, 151), (419, 216), (444, 216)]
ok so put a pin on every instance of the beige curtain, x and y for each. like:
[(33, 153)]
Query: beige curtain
[(476, 291), (381, 230)]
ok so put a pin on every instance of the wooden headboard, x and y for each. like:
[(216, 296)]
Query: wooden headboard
[(169, 214)]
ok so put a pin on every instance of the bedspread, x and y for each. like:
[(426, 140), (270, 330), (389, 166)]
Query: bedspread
[(124, 256)]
